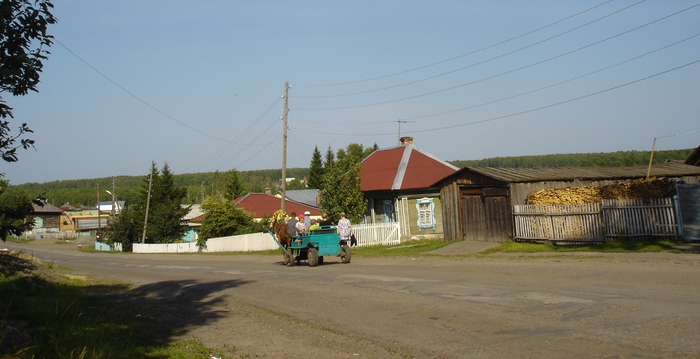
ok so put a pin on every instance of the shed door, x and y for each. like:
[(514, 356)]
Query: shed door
[(487, 218)]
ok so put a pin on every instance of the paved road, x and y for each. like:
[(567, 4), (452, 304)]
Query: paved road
[(499, 306)]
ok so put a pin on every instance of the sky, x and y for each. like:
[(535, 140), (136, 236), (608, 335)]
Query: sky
[(200, 85)]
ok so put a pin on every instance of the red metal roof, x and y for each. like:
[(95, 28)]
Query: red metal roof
[(261, 204), (402, 168)]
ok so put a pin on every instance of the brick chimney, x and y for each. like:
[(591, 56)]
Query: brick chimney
[(407, 140)]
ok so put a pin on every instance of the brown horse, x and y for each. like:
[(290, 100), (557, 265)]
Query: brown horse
[(278, 226)]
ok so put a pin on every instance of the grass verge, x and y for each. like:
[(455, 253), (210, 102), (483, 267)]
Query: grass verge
[(46, 313)]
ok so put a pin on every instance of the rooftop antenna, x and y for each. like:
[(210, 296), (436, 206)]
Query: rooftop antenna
[(399, 121)]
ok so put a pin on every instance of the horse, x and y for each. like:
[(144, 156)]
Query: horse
[(278, 226)]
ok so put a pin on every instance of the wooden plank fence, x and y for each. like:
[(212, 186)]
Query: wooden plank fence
[(634, 218), (596, 222), (566, 222)]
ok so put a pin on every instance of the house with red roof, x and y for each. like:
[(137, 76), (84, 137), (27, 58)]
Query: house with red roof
[(399, 184), (265, 205)]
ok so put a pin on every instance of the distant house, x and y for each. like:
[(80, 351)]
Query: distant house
[(83, 220), (306, 196), (400, 186), (46, 216), (109, 207), (265, 205), (193, 221), (477, 202)]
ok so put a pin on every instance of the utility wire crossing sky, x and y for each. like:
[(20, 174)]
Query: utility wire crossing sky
[(200, 85)]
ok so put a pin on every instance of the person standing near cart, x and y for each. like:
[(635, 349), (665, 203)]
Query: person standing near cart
[(344, 228)]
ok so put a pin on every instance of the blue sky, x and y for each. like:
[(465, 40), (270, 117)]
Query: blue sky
[(199, 85)]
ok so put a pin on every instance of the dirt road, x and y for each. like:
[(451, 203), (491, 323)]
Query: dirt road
[(498, 306)]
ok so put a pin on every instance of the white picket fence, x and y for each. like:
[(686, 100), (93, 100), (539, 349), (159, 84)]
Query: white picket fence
[(241, 243), (377, 234), (366, 234)]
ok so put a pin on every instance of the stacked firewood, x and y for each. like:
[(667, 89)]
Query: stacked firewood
[(639, 189)]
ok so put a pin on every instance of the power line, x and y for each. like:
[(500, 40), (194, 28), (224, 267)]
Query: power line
[(556, 84), (521, 112), (138, 98), (503, 73), (463, 55), (561, 102), (480, 62)]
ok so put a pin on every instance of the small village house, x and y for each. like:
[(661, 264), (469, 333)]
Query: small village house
[(399, 185)]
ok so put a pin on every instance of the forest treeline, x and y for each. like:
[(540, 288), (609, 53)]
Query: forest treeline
[(83, 193), (600, 159)]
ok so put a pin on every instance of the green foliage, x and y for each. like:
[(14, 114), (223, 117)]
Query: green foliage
[(342, 193), (126, 228), (410, 248), (222, 218), (165, 212), (330, 159), (23, 37), (341, 183), (612, 159), (15, 206), (295, 184), (315, 179), (233, 186)]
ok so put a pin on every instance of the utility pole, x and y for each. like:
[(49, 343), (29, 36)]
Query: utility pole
[(651, 158), (99, 224), (114, 201), (284, 144), (148, 203)]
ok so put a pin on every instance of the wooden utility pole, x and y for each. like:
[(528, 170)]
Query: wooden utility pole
[(651, 158), (99, 222), (284, 144), (148, 203)]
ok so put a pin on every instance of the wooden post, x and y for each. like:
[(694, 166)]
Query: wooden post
[(284, 144)]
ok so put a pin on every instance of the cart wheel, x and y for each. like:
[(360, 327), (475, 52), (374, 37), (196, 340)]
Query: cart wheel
[(312, 257), (290, 259), (345, 254)]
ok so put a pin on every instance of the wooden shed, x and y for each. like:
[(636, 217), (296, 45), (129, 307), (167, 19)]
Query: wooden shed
[(477, 202)]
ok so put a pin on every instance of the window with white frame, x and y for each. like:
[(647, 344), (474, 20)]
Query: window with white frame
[(388, 211), (426, 213)]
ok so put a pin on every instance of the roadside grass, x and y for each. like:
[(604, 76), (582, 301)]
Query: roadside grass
[(410, 248), (45, 313), (608, 247)]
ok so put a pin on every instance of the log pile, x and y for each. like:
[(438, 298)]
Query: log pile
[(638, 189)]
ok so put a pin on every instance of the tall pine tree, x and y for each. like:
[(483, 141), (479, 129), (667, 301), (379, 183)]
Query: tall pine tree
[(315, 179), (166, 211)]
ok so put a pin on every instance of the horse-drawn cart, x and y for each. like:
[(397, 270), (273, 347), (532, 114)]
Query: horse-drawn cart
[(314, 246)]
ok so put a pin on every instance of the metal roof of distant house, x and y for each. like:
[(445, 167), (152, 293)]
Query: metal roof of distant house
[(195, 211), (305, 196), (45, 207), (513, 175), (262, 204), (403, 167)]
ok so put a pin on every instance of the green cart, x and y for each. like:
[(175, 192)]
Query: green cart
[(314, 246)]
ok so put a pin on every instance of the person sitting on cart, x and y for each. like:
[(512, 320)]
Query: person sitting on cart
[(314, 226), (292, 226), (300, 227)]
